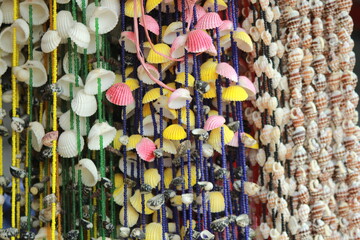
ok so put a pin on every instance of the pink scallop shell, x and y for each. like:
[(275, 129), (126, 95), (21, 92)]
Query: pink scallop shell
[(235, 140), (151, 24), (129, 41), (225, 28), (142, 75), (200, 12), (120, 94), (213, 122), (226, 70), (145, 149), (198, 41), (178, 98), (248, 85), (209, 21), (178, 47)]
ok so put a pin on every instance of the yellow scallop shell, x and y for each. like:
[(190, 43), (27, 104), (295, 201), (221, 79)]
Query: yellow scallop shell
[(118, 180), (180, 78), (168, 177), (213, 113), (153, 231), (174, 132), (255, 146), (243, 41), (217, 202), (132, 83), (129, 8), (215, 137), (208, 71), (234, 93), (155, 58), (135, 201), (211, 93), (151, 4), (152, 177), (146, 110), (184, 117), (118, 195), (117, 143), (176, 200), (128, 70), (132, 216), (133, 140), (184, 228), (193, 176), (153, 94), (168, 145), (169, 214)]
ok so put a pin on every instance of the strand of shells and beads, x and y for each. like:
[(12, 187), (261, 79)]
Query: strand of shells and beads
[(343, 102), (264, 31)]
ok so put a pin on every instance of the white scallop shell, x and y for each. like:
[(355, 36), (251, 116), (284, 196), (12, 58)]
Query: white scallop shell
[(80, 35), (50, 41), (131, 165), (65, 81), (111, 4), (107, 20), (7, 7), (79, 3), (100, 129), (3, 66), (67, 144), (40, 11), (91, 84), (7, 96), (6, 40), (89, 12), (64, 123), (62, 1), (37, 133), (84, 104), (22, 31), (64, 22), (65, 62), (91, 49), (39, 73), (38, 32), (148, 126), (89, 173)]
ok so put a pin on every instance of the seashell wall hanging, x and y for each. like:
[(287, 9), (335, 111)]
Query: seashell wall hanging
[(178, 119)]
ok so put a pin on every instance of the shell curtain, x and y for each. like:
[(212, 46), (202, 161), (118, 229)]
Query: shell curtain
[(178, 119)]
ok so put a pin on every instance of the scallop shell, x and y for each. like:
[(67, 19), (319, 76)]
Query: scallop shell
[(142, 75), (38, 72), (22, 31), (198, 41), (132, 216), (227, 71), (148, 126), (152, 177), (145, 149), (67, 147), (213, 122), (97, 131), (217, 201), (79, 34), (6, 40), (154, 231), (64, 23), (89, 172), (64, 122), (50, 41), (37, 133), (118, 195), (40, 11), (136, 202), (65, 81), (107, 19), (209, 20), (107, 79), (83, 104)]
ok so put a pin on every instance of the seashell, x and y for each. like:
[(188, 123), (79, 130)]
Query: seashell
[(39, 73), (40, 11), (214, 122), (300, 176), (156, 202), (297, 117), (295, 79), (145, 149), (220, 224), (319, 63), (251, 188), (131, 216), (64, 23), (107, 19), (136, 200), (80, 35), (17, 172), (171, 32), (127, 40), (142, 75), (64, 83), (119, 94), (293, 225), (179, 98), (265, 135), (22, 31), (265, 230), (107, 79), (174, 132), (303, 213), (84, 104), (208, 150), (37, 133), (67, 147), (266, 37), (100, 132), (64, 123), (89, 173), (227, 71), (317, 209), (50, 41), (321, 101), (148, 126), (209, 20), (303, 194), (153, 231), (185, 176), (198, 41)]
